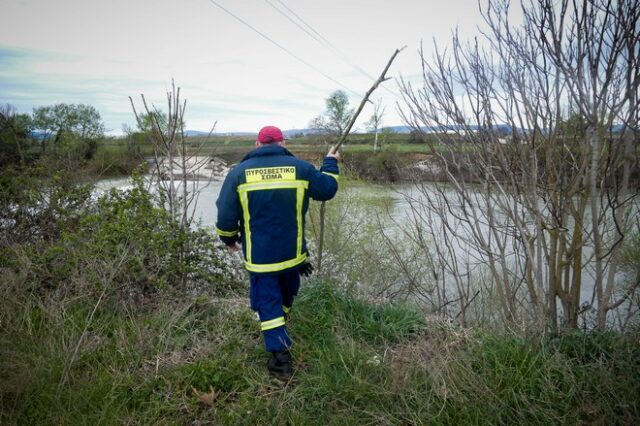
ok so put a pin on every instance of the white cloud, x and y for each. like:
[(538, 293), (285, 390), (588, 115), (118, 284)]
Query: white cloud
[(101, 52)]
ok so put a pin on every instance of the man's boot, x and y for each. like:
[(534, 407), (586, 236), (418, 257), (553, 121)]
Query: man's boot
[(280, 364)]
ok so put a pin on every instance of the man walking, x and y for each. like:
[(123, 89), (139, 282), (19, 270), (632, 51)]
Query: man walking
[(262, 205)]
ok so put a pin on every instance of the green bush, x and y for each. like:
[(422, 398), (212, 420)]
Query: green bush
[(38, 206), (121, 239), (114, 161)]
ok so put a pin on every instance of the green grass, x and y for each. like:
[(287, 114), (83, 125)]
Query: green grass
[(356, 363)]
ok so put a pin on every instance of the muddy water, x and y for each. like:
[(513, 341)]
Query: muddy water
[(399, 208)]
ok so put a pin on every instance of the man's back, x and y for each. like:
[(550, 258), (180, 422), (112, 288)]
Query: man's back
[(266, 198)]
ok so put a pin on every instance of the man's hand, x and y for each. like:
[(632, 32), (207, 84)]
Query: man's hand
[(306, 269), (333, 152), (234, 247)]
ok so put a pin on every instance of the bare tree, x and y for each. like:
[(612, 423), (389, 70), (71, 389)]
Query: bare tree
[(595, 52), (375, 123), (537, 201), (177, 170)]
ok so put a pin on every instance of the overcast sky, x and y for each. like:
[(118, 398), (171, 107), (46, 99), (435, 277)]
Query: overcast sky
[(101, 52)]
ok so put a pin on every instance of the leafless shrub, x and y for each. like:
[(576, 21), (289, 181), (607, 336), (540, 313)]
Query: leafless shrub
[(545, 200), (177, 168)]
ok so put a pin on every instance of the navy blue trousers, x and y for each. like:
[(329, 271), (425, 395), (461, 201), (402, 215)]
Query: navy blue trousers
[(272, 297)]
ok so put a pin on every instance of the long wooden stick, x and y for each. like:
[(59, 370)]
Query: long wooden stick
[(343, 138)]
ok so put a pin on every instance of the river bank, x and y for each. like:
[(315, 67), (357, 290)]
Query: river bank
[(97, 323), (387, 166), (200, 361)]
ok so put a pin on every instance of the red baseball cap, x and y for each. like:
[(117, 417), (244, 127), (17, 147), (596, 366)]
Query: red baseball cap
[(269, 134)]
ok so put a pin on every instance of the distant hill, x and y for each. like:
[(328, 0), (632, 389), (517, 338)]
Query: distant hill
[(198, 133), (294, 133), (439, 129), (194, 133), (397, 129), (288, 134)]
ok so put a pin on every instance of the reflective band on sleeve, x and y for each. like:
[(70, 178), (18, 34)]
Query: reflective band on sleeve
[(226, 233), (268, 325), (333, 175)]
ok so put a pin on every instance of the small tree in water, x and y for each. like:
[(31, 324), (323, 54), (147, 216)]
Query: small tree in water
[(336, 117), (375, 124)]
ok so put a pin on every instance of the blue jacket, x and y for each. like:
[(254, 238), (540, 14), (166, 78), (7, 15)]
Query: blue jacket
[(263, 202)]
